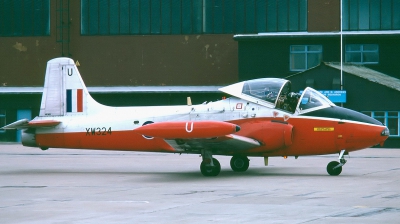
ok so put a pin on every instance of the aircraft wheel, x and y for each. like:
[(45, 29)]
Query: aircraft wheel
[(210, 171), (240, 163), (331, 171)]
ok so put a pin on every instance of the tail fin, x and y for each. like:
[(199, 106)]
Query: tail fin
[(64, 90)]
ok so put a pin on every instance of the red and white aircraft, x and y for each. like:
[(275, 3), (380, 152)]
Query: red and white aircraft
[(263, 118)]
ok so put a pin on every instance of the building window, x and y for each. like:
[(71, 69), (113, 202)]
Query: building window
[(388, 118), (2, 120), (104, 17), (303, 57), (24, 18), (362, 53), (371, 15)]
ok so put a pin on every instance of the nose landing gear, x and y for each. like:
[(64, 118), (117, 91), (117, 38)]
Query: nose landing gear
[(334, 168)]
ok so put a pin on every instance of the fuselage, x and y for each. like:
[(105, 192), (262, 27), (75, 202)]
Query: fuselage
[(112, 128)]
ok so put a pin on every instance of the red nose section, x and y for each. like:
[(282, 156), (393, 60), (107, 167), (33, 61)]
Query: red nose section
[(358, 136), (187, 129)]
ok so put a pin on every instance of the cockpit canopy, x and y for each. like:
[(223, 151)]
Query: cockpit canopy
[(276, 93), (265, 89)]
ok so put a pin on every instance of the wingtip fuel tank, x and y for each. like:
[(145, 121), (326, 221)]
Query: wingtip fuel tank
[(187, 129)]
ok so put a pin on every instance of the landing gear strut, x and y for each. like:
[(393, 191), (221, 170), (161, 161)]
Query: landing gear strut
[(334, 168), (209, 166), (239, 163)]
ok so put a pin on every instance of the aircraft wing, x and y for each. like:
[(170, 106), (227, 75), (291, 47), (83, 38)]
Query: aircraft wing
[(225, 143), (25, 123), (235, 142)]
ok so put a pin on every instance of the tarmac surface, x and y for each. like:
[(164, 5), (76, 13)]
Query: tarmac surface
[(87, 186)]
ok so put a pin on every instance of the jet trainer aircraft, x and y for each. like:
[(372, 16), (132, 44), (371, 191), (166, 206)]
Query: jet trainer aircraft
[(262, 118)]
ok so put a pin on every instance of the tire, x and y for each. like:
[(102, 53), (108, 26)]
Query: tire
[(331, 171), (240, 163), (210, 171)]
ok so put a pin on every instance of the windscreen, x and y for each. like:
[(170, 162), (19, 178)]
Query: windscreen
[(313, 99)]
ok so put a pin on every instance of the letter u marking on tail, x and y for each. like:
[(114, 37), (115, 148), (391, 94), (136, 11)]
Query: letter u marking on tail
[(191, 127)]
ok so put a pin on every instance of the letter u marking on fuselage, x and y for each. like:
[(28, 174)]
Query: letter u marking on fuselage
[(191, 127)]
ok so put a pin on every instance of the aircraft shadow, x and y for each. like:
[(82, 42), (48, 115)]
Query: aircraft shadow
[(178, 176), (229, 174)]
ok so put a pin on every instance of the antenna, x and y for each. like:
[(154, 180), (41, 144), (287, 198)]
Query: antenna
[(341, 46)]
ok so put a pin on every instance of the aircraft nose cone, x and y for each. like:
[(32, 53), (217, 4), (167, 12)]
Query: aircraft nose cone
[(384, 135), (385, 132)]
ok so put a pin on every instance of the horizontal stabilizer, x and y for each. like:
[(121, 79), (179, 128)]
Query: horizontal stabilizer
[(43, 123), (25, 123), (20, 124), (187, 129)]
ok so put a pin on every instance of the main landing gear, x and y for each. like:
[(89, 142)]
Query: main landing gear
[(211, 167), (240, 163), (334, 168)]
